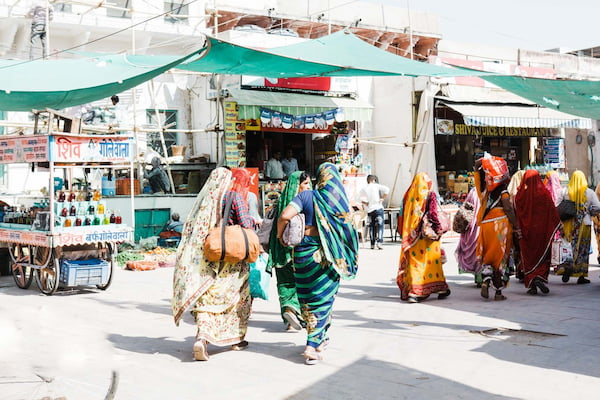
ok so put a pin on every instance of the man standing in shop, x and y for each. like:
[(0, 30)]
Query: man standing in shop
[(289, 163), (274, 169), (372, 197)]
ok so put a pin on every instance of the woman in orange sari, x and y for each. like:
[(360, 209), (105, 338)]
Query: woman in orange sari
[(497, 220), (420, 273), (539, 222)]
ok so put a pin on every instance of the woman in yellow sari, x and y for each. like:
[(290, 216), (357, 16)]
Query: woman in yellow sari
[(420, 273), (578, 230)]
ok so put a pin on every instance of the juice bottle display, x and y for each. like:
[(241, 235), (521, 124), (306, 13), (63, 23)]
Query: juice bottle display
[(87, 221), (97, 195), (118, 219), (96, 220), (61, 196), (72, 196), (64, 212), (106, 220), (100, 208), (91, 209), (68, 222), (73, 210), (78, 221), (112, 218)]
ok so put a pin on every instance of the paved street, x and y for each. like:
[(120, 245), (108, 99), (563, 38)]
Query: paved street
[(547, 347)]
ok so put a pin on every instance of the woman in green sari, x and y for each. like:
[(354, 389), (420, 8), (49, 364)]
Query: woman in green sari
[(282, 259)]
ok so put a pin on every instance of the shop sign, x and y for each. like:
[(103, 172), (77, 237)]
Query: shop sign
[(91, 148), (70, 239), (18, 149), (444, 126), (554, 152), (320, 84), (24, 237), (503, 131), (235, 137)]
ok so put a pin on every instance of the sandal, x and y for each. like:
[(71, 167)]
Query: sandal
[(532, 290), (292, 320), (499, 296), (200, 352), (542, 286), (485, 289), (240, 346), (443, 295), (311, 356), (321, 348)]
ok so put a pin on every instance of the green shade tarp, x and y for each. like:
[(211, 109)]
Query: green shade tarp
[(338, 54), (27, 85), (581, 98)]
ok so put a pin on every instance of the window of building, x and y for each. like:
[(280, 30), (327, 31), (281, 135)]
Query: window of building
[(178, 12), (168, 120), (118, 12)]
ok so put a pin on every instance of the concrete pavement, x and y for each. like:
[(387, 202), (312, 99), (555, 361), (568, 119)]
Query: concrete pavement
[(527, 347)]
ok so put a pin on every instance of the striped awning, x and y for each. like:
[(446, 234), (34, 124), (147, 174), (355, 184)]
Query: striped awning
[(510, 115), (250, 101)]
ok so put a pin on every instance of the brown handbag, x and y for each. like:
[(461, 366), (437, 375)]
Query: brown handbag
[(231, 243)]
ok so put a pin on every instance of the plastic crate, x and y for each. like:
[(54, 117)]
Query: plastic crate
[(84, 272)]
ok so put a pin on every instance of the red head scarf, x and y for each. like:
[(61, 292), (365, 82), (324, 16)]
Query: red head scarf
[(241, 181)]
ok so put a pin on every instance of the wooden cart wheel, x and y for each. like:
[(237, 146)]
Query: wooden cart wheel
[(19, 257), (110, 255), (48, 276)]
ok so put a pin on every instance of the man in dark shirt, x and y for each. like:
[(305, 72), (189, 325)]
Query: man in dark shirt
[(157, 177)]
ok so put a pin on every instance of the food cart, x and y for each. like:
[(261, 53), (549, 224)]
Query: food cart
[(68, 239)]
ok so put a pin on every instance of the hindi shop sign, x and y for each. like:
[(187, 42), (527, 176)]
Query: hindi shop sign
[(91, 148), (19, 149), (503, 131)]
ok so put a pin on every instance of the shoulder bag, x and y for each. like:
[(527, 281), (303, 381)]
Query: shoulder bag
[(264, 232), (231, 243), (463, 218), (566, 208), (294, 231)]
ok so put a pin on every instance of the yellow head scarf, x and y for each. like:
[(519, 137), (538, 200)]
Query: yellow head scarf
[(576, 189)]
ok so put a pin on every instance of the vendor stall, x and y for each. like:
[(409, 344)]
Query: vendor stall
[(67, 238)]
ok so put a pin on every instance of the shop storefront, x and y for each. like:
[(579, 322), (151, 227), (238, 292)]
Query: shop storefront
[(524, 136), (314, 128)]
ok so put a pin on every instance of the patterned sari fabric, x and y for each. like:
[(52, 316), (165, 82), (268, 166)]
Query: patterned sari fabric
[(576, 231), (281, 257), (466, 251), (218, 292), (495, 236), (319, 262), (420, 272), (539, 222)]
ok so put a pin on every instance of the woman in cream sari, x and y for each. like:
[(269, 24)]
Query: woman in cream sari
[(217, 292)]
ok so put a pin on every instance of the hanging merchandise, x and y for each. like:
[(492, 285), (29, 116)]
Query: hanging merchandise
[(318, 121)]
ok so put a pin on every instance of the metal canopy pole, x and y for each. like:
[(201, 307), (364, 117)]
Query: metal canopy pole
[(162, 136)]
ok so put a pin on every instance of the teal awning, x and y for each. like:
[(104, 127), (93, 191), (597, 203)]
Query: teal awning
[(338, 54), (27, 85), (581, 98)]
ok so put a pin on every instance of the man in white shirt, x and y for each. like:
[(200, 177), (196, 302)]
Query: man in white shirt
[(289, 163), (372, 197), (274, 169)]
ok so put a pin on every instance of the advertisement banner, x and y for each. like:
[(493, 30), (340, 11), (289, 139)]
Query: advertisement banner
[(235, 137), (19, 149), (98, 148)]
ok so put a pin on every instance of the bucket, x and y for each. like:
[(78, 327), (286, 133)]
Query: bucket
[(177, 150), (109, 187)]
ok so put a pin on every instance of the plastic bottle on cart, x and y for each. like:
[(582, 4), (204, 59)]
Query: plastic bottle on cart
[(61, 196), (87, 221), (73, 210), (72, 196), (100, 208), (96, 220), (68, 222), (112, 218), (91, 209), (64, 212), (88, 195), (106, 220), (78, 221), (118, 218), (97, 195)]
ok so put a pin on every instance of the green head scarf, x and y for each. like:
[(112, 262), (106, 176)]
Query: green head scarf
[(280, 256)]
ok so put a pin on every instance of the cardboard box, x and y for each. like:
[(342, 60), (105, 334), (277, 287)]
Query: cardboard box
[(461, 187)]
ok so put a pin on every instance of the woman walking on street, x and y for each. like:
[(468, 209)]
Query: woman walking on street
[(217, 291), (328, 251), (466, 250), (596, 220), (552, 184), (281, 257), (578, 230), (538, 219), (420, 272), (497, 221)]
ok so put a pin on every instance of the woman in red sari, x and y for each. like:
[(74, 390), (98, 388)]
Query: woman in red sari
[(539, 222)]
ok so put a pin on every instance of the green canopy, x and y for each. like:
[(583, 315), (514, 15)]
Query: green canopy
[(581, 98), (338, 54), (27, 85)]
